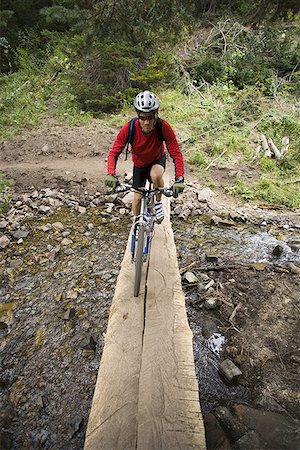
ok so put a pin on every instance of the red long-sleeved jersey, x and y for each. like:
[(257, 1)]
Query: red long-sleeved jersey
[(146, 148)]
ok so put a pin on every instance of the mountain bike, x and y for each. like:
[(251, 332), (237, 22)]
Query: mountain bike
[(143, 227)]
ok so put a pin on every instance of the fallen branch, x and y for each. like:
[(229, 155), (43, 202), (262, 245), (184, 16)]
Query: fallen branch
[(275, 150), (265, 145), (184, 269), (285, 144), (234, 312), (214, 160)]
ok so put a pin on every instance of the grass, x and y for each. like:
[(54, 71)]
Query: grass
[(218, 126), (5, 193)]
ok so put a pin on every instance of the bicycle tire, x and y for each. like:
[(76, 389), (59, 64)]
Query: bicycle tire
[(139, 257)]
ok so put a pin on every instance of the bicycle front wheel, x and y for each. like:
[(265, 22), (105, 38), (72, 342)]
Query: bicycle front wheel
[(139, 257)]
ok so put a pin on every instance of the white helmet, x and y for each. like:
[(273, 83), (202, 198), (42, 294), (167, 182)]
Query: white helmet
[(146, 102)]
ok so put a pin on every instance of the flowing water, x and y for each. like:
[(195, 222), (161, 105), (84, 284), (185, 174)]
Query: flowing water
[(234, 245)]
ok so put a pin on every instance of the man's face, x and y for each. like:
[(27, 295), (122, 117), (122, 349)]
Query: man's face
[(147, 121)]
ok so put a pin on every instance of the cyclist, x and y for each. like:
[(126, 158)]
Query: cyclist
[(148, 152)]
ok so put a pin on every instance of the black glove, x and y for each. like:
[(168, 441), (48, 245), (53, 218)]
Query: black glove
[(178, 186), (112, 181)]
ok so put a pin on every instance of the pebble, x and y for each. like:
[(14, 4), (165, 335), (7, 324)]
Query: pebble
[(190, 277), (230, 371), (4, 241)]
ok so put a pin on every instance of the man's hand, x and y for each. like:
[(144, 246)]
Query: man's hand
[(178, 186), (112, 181)]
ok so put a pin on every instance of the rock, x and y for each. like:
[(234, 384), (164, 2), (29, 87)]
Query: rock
[(190, 277), (54, 202), (90, 226), (230, 423), (229, 370), (110, 207), (293, 268), (211, 258), (66, 241), (45, 149), (89, 344), (274, 427), (249, 441), (70, 314), (44, 209), (19, 234), (205, 194), (215, 436), (277, 251), (4, 242), (3, 224), (81, 209), (72, 294), (177, 210), (211, 303), (6, 440), (295, 357), (57, 226), (215, 220)]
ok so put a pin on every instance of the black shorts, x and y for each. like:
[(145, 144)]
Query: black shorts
[(141, 174)]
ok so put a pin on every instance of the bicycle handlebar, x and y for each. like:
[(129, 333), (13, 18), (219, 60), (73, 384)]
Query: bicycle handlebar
[(128, 187)]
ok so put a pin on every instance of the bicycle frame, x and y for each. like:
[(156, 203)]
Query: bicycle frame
[(142, 228)]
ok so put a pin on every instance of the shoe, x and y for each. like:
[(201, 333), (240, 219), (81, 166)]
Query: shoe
[(159, 212)]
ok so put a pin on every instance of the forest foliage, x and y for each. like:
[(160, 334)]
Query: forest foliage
[(226, 71)]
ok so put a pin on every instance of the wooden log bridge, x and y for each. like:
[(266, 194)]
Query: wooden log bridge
[(146, 395)]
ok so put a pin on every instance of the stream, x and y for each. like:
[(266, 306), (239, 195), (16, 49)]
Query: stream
[(55, 306)]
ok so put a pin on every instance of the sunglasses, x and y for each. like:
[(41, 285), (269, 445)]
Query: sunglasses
[(144, 118)]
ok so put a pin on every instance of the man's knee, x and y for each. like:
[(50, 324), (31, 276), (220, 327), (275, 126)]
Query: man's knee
[(156, 174)]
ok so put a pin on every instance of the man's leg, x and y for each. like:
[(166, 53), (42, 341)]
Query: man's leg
[(156, 175), (136, 203)]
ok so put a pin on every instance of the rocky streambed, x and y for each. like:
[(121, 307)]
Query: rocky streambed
[(59, 261)]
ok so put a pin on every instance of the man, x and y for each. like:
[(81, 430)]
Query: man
[(148, 153)]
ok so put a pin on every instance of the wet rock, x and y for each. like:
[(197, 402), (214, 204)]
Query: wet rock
[(70, 314), (4, 242), (89, 344), (76, 426), (277, 251), (295, 357), (216, 438), (293, 268), (278, 430), (6, 440), (3, 328), (72, 295), (230, 423), (249, 441), (85, 203), (211, 303), (190, 277), (229, 370), (211, 258)]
